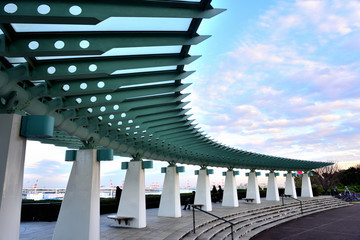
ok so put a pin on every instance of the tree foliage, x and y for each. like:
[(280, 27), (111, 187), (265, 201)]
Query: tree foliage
[(327, 176), (350, 176)]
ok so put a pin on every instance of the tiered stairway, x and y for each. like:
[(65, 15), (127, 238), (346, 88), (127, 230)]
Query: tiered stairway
[(249, 223)]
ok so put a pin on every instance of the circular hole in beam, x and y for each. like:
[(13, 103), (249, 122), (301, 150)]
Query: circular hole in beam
[(75, 10), (59, 44), (10, 8), (43, 9)]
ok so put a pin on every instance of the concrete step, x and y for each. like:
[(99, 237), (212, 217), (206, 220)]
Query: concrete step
[(251, 222), (250, 232), (211, 227), (265, 227)]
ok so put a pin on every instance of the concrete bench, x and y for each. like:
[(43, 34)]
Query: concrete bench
[(119, 218), (249, 199)]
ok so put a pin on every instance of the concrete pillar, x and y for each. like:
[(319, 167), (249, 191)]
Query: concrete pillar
[(132, 201), (252, 190), (79, 216), (202, 195), (272, 192), (306, 189), (230, 198), (170, 198), (12, 158), (290, 188)]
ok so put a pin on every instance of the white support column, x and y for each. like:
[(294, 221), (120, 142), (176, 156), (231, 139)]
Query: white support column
[(12, 158), (290, 185), (306, 189), (170, 198), (202, 195), (272, 192), (252, 190), (79, 216), (132, 201), (230, 198)]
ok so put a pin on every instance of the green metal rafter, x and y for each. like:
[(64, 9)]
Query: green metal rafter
[(69, 66)]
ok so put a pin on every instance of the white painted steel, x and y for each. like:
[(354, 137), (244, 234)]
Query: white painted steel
[(252, 190), (306, 189), (290, 185), (132, 201), (12, 158), (79, 216), (170, 198), (230, 198), (272, 192), (202, 195)]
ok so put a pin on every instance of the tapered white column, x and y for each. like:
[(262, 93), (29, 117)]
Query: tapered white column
[(306, 189), (290, 185), (230, 198), (252, 190), (79, 216), (272, 192), (132, 201), (202, 195), (170, 198), (12, 155)]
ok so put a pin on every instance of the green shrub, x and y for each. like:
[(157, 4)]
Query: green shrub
[(317, 190)]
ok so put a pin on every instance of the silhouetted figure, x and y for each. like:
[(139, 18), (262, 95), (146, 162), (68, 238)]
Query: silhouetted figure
[(220, 193), (189, 200), (214, 194), (118, 194)]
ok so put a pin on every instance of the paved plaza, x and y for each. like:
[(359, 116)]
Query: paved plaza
[(173, 228), (336, 224), (157, 227)]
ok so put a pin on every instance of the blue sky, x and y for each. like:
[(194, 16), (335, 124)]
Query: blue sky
[(276, 77)]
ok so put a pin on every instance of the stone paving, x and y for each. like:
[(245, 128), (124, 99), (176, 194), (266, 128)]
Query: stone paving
[(157, 227), (337, 224)]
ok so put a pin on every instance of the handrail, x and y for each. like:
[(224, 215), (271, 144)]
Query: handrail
[(289, 196), (231, 224)]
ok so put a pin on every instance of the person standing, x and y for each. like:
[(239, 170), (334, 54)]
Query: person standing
[(118, 194), (214, 194), (189, 200), (220, 193)]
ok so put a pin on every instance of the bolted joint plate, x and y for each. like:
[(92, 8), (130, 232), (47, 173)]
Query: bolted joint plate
[(105, 154), (275, 173), (256, 174), (234, 172), (37, 126), (147, 164), (70, 155), (124, 165), (209, 171)]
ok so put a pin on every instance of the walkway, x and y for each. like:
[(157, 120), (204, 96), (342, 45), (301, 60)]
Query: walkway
[(171, 228), (337, 224)]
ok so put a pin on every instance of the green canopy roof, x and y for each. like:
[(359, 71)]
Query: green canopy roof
[(110, 73)]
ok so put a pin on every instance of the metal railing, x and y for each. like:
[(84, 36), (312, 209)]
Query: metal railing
[(231, 224), (289, 196)]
